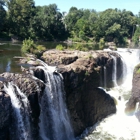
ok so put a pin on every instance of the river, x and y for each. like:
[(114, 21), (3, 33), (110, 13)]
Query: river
[(7, 61), (116, 127), (8, 50)]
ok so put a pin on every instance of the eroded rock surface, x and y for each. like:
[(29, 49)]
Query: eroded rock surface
[(32, 88), (100, 61), (5, 113), (83, 74)]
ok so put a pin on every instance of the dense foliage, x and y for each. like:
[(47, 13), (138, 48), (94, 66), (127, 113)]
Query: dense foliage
[(23, 19), (29, 46), (2, 16)]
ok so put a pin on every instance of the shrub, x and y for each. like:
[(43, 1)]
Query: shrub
[(101, 43), (41, 48), (138, 71), (28, 46), (60, 47)]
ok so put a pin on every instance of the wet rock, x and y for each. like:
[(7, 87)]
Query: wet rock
[(86, 103), (83, 73), (5, 114), (33, 89), (135, 94)]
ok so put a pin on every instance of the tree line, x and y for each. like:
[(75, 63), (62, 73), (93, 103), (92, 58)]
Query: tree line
[(21, 18)]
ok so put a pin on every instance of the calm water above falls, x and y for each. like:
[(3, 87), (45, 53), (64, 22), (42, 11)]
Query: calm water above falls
[(7, 61), (8, 50)]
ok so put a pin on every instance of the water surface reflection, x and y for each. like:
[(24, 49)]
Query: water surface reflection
[(7, 53)]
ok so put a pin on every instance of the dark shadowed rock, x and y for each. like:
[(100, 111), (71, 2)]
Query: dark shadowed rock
[(32, 88), (83, 73), (5, 114), (86, 103)]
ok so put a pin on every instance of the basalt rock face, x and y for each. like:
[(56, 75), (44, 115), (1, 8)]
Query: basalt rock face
[(135, 94), (5, 113), (32, 88), (83, 73), (99, 61)]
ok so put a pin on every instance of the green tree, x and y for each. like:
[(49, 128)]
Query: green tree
[(72, 17), (2, 16), (136, 37), (20, 13), (115, 25), (48, 21)]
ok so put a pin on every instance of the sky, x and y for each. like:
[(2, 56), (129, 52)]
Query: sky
[(98, 5)]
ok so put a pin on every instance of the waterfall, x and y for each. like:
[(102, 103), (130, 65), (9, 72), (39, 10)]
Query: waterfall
[(21, 109), (131, 58), (54, 119), (119, 126), (105, 76), (114, 73)]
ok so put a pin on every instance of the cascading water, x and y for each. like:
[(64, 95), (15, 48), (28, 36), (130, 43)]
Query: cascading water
[(105, 76), (120, 126), (114, 73), (131, 58), (54, 119), (21, 109)]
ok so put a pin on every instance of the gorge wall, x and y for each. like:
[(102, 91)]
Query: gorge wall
[(131, 106), (83, 73)]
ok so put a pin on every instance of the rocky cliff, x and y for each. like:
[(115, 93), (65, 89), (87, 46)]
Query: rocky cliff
[(33, 88), (83, 73), (135, 94)]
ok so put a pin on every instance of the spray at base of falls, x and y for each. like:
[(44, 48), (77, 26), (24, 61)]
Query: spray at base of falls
[(21, 109), (54, 119), (119, 126)]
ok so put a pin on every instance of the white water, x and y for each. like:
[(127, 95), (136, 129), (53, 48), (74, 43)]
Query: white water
[(114, 74), (21, 110), (120, 126), (105, 76), (54, 119)]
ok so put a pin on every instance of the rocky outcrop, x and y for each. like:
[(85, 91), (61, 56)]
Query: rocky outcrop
[(29, 85), (5, 113), (86, 103), (101, 62), (135, 94), (83, 73)]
